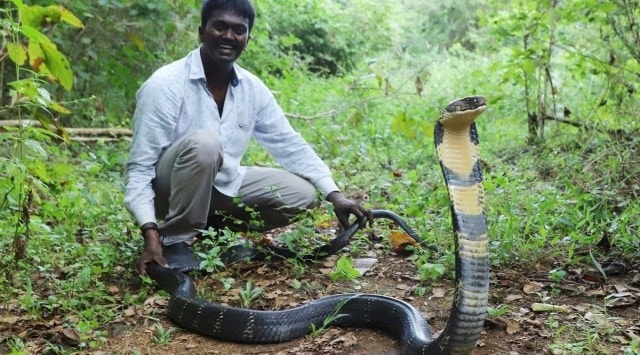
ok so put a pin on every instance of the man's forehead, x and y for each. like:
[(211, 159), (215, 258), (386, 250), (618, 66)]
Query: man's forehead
[(228, 16)]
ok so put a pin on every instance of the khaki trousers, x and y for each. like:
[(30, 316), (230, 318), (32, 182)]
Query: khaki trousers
[(187, 201)]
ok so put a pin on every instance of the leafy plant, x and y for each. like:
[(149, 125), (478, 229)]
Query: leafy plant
[(214, 246), (249, 294), (498, 311), (557, 275), (162, 336), (17, 346), (344, 270), (315, 330)]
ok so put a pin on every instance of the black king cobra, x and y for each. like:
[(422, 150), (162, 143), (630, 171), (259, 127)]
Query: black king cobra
[(456, 140)]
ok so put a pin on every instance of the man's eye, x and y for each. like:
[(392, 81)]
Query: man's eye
[(219, 27), (240, 30)]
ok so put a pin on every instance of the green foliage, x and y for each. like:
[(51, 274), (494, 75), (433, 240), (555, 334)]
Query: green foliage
[(214, 245), (249, 294), (162, 336), (325, 36), (317, 330), (344, 270), (31, 45), (573, 59), (66, 239), (498, 311)]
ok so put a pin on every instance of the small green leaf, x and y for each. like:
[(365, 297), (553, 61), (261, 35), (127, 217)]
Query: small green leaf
[(36, 148), (529, 66), (68, 17), (344, 270), (16, 53), (136, 40)]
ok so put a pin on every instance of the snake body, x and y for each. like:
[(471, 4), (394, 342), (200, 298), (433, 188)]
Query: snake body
[(456, 141)]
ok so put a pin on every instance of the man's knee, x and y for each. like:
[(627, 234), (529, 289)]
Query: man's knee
[(306, 196), (203, 147)]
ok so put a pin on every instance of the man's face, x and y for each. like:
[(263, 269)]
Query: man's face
[(224, 37)]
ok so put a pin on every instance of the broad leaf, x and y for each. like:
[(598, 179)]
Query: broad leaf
[(36, 55), (58, 64), (36, 15), (68, 17), (17, 53)]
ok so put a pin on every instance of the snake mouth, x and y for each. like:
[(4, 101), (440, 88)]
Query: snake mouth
[(466, 104)]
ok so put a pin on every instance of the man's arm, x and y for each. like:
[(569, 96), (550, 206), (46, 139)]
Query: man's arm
[(290, 150), (154, 123)]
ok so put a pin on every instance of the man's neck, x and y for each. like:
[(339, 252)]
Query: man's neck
[(217, 74)]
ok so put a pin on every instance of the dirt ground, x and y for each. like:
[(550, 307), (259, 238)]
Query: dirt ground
[(587, 315)]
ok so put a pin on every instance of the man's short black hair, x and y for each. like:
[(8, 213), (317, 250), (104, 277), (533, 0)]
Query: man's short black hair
[(242, 8)]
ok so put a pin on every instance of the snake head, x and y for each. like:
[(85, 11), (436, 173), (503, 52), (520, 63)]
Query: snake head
[(466, 104)]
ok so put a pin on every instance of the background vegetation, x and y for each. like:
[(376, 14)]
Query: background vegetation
[(363, 81)]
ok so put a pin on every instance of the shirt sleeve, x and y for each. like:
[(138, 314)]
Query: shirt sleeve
[(289, 149), (154, 122)]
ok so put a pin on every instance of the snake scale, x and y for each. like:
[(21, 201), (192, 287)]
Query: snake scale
[(456, 141)]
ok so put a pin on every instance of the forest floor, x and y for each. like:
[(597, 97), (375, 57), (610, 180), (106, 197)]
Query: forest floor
[(592, 316)]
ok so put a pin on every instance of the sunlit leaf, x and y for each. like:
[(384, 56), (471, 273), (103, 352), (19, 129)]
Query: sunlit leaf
[(58, 108), (16, 53), (136, 40), (36, 15), (18, 3), (68, 17), (58, 64), (34, 34), (36, 55)]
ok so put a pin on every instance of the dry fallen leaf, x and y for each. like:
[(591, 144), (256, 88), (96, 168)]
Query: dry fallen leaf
[(532, 287), (511, 298), (71, 336), (324, 224), (347, 340), (9, 320), (438, 292), (400, 241), (364, 264), (513, 326)]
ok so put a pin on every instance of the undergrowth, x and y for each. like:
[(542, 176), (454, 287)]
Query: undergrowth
[(559, 198)]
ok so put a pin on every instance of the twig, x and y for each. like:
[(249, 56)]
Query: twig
[(308, 118), (79, 134)]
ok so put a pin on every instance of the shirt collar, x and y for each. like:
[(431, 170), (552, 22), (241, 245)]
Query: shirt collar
[(196, 69)]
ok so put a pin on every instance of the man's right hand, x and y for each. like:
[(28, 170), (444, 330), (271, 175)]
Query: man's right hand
[(152, 252)]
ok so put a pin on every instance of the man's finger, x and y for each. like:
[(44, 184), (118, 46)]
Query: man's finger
[(369, 215), (141, 266), (161, 261)]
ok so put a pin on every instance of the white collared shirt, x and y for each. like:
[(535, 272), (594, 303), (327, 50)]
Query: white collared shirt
[(175, 101)]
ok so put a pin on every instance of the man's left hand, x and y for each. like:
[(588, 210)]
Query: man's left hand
[(345, 207)]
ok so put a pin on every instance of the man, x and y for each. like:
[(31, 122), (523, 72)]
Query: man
[(192, 125)]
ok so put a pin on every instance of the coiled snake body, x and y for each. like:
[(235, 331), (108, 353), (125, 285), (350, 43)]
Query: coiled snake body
[(456, 141)]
